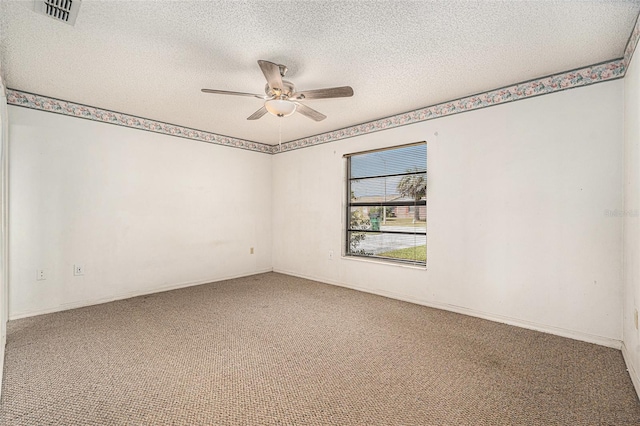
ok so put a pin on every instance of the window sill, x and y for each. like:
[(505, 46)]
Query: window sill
[(384, 262)]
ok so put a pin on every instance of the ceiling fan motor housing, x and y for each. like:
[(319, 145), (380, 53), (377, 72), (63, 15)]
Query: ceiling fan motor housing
[(288, 90)]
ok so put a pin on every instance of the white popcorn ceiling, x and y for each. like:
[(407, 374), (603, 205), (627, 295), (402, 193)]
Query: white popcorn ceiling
[(151, 58)]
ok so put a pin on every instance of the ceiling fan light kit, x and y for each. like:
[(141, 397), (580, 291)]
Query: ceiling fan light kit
[(281, 98), (280, 107)]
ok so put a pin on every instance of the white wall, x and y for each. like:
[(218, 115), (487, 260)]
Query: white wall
[(517, 229), (142, 212), (631, 341), (4, 276), (516, 223)]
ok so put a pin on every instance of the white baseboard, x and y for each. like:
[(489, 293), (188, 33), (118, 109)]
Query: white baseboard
[(562, 332), (576, 335), (85, 303), (635, 379)]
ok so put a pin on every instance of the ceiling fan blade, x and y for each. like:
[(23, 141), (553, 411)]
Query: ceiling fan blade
[(226, 92), (309, 112), (332, 92), (259, 113), (271, 72)]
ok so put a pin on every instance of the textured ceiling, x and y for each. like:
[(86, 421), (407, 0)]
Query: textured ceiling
[(151, 58)]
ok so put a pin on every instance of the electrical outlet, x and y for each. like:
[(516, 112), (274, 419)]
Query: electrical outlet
[(78, 270), (330, 254), (251, 250), (40, 276)]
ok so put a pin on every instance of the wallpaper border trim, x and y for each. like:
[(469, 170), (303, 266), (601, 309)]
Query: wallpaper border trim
[(580, 77), (632, 43)]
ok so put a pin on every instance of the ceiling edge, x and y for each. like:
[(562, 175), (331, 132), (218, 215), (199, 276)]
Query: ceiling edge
[(57, 106), (581, 77)]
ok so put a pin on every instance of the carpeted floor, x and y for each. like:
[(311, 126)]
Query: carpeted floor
[(277, 350)]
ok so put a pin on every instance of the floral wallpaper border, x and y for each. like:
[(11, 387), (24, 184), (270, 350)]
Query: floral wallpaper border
[(567, 80), (632, 43), (43, 103)]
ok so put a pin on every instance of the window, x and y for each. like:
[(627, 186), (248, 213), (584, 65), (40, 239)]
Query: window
[(386, 204)]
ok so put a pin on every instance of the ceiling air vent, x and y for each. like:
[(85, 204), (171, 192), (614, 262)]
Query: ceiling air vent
[(60, 10)]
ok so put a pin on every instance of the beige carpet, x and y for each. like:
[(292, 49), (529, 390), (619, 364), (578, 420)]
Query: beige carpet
[(277, 350)]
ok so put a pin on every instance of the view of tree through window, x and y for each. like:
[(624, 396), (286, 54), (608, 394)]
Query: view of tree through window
[(387, 206)]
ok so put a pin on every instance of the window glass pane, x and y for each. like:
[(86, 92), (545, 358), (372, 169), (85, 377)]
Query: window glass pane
[(359, 218), (394, 219), (389, 162), (394, 246), (391, 188)]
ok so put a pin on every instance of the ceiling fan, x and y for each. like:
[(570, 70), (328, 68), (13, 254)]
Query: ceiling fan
[(281, 97)]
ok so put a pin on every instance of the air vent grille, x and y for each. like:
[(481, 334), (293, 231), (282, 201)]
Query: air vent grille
[(60, 10)]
